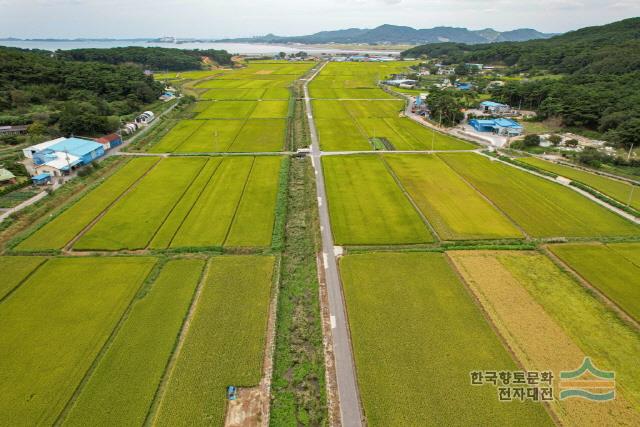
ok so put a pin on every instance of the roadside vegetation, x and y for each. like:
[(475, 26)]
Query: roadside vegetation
[(298, 385)]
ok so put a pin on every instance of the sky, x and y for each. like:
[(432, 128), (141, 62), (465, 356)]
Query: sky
[(240, 18)]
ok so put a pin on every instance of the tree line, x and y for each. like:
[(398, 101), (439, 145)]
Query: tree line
[(152, 58), (59, 96)]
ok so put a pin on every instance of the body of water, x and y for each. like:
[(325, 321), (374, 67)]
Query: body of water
[(239, 48)]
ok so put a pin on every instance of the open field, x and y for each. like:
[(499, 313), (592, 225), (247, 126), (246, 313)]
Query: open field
[(542, 208), (509, 286), (607, 269), (225, 109), (246, 93), (357, 93), (599, 332), (366, 205), (133, 220), (453, 207), (224, 344), (618, 190), (63, 228), (434, 336), (14, 270), (254, 69), (182, 202), (253, 224), (121, 388), (212, 215), (243, 109), (205, 136), (54, 325), (349, 125)]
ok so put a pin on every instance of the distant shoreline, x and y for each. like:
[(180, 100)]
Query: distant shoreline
[(241, 48)]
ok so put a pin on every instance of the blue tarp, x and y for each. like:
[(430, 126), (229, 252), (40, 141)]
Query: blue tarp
[(41, 177)]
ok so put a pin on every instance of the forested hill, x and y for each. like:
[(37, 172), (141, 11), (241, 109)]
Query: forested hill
[(153, 58), (609, 49), (69, 96), (400, 35)]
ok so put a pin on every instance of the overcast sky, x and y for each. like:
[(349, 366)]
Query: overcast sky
[(234, 18)]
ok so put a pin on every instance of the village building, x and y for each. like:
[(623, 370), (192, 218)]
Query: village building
[(60, 156), (501, 126), (7, 177), (110, 141), (490, 107)]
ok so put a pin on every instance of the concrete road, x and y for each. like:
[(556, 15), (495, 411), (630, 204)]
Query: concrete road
[(350, 413)]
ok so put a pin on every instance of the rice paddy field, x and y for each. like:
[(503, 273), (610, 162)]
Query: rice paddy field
[(121, 388), (211, 136), (224, 344), (619, 190), (64, 227), (180, 202), (453, 207), (54, 326), (80, 348), (352, 80), (345, 125), (551, 322), (542, 208), (350, 110), (15, 270), (616, 273), (434, 335), (367, 207)]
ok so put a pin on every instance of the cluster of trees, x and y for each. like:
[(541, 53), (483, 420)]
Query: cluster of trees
[(445, 106), (600, 84), (56, 95), (153, 58), (608, 104)]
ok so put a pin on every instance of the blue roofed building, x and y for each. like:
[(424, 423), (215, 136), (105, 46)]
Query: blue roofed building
[(62, 155), (494, 107), (504, 127)]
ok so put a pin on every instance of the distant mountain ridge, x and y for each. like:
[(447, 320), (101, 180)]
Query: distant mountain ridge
[(396, 34)]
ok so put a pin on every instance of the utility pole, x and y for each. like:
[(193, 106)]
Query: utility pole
[(630, 150)]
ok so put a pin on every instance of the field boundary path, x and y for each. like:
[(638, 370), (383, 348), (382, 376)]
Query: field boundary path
[(23, 205), (350, 411), (566, 182)]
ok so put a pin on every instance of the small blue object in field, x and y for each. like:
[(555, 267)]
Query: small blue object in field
[(232, 393)]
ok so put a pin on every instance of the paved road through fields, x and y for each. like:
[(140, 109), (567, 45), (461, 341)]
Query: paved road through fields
[(350, 413)]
